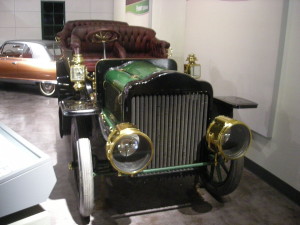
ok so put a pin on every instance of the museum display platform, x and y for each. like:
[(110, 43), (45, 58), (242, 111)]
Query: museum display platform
[(26, 173)]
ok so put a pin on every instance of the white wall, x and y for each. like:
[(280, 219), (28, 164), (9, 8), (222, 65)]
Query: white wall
[(20, 19), (120, 10), (169, 21), (89, 9), (244, 51), (167, 18), (281, 154), (237, 43)]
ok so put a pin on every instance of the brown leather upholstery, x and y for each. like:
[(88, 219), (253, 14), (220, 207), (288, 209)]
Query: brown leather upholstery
[(80, 44), (133, 42), (140, 42), (65, 34), (93, 52)]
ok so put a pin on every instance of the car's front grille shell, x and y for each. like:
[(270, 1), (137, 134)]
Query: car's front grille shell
[(175, 123)]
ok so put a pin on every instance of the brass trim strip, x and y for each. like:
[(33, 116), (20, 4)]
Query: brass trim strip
[(155, 170)]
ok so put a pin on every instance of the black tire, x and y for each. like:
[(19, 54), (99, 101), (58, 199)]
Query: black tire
[(223, 178), (83, 170), (47, 89)]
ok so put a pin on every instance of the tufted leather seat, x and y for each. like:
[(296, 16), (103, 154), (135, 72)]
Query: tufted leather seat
[(140, 42), (65, 35), (93, 52), (134, 41)]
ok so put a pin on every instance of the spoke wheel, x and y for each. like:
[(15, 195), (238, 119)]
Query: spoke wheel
[(83, 171), (47, 89), (224, 177), (102, 35)]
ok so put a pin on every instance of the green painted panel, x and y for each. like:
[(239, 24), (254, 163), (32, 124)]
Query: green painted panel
[(141, 69), (118, 78), (136, 70), (137, 6)]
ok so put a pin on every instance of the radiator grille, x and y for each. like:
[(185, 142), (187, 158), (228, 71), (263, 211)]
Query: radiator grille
[(175, 123)]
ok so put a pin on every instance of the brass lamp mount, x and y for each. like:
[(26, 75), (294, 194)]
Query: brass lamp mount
[(78, 72)]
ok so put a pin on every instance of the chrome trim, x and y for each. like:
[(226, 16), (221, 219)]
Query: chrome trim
[(175, 123), (49, 82), (75, 108), (19, 81)]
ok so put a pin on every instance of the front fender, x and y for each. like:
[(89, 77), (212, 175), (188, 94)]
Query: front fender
[(224, 105)]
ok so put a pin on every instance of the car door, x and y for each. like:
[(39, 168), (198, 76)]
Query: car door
[(35, 64), (27, 65), (10, 57)]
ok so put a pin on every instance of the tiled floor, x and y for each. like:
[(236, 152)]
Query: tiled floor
[(165, 202)]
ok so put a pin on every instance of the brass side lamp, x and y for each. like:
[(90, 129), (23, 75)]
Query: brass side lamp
[(192, 67), (78, 72)]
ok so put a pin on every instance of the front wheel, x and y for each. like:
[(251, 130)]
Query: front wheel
[(47, 89), (85, 179), (223, 177), (83, 170)]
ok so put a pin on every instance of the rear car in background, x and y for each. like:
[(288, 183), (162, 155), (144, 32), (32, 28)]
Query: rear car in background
[(30, 62)]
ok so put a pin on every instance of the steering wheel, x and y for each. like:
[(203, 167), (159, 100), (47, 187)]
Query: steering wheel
[(8, 52), (102, 36)]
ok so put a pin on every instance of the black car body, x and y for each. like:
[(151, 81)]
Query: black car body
[(141, 117)]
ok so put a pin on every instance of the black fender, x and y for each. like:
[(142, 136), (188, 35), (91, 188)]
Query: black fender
[(224, 105), (64, 85), (64, 124)]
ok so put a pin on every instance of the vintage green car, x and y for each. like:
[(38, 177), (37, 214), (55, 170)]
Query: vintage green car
[(141, 117)]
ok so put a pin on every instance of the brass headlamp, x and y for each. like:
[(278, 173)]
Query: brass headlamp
[(128, 149), (228, 137), (78, 72)]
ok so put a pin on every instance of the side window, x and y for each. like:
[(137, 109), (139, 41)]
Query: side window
[(54, 51), (53, 18), (12, 50), (27, 53)]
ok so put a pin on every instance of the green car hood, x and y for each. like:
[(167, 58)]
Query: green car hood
[(131, 71)]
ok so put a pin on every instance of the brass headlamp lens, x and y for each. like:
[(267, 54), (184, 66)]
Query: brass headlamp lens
[(128, 149), (128, 145), (228, 137)]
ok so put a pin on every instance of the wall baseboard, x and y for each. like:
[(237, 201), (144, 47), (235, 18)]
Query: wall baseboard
[(273, 181)]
